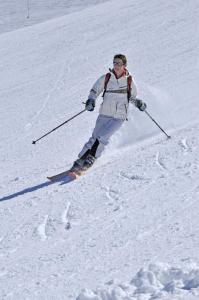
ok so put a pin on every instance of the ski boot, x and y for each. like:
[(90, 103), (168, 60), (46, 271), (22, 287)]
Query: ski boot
[(77, 166), (88, 162)]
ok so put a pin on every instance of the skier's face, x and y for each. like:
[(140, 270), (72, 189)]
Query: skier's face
[(118, 66)]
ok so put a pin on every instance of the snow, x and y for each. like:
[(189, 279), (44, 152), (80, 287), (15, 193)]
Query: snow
[(158, 281), (17, 14), (137, 208)]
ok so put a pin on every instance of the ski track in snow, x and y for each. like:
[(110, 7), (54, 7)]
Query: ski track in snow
[(133, 177), (159, 161), (48, 96), (119, 201), (170, 218)]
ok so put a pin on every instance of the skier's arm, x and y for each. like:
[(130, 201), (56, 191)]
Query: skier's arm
[(97, 88), (133, 91), (141, 105)]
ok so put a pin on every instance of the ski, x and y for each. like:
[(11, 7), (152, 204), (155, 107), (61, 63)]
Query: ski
[(58, 176), (67, 176), (62, 176)]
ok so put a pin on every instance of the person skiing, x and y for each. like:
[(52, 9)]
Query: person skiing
[(119, 90)]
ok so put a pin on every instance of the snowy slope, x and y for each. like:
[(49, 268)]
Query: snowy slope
[(139, 203), (19, 13)]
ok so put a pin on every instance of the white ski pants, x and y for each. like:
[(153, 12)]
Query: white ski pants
[(105, 127)]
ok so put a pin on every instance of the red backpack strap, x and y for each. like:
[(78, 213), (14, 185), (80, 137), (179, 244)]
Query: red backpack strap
[(129, 81), (107, 77)]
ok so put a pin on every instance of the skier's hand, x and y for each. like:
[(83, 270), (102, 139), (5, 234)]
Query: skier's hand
[(90, 105), (140, 104)]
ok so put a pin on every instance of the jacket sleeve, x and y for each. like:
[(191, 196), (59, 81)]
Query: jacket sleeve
[(133, 92), (97, 88)]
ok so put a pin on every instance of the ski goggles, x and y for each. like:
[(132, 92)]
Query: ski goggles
[(118, 63)]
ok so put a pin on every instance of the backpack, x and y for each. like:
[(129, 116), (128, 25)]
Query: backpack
[(129, 81)]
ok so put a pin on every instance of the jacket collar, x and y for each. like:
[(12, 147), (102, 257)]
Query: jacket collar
[(125, 73)]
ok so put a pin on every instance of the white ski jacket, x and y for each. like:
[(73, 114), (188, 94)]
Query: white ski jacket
[(115, 101)]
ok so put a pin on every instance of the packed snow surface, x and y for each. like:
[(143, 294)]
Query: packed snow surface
[(137, 208), (154, 282)]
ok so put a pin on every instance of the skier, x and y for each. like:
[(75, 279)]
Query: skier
[(118, 89)]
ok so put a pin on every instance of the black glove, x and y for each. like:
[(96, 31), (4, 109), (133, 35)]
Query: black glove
[(90, 105), (140, 104)]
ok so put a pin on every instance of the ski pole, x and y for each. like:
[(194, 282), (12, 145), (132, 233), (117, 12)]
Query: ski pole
[(146, 112), (34, 142)]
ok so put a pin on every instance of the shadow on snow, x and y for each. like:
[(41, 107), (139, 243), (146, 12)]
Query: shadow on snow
[(35, 188)]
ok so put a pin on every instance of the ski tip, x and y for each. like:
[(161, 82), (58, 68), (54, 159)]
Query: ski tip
[(69, 176), (49, 178)]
